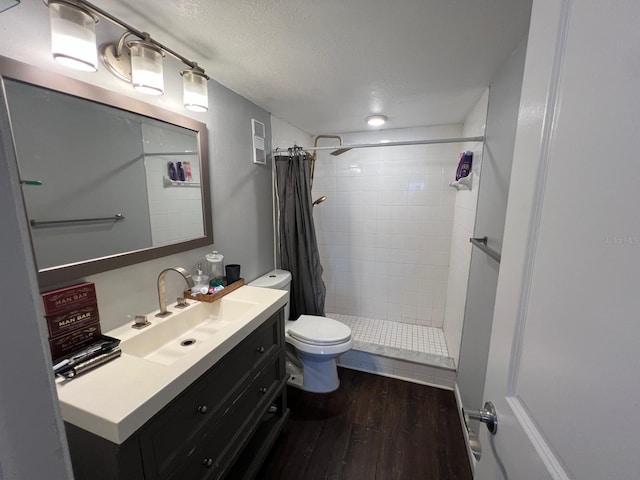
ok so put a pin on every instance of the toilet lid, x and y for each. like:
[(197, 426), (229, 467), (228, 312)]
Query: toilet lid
[(316, 330)]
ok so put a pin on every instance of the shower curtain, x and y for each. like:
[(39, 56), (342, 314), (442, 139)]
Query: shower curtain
[(298, 245)]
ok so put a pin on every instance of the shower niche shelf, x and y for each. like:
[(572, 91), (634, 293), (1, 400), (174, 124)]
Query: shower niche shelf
[(465, 183), (167, 182)]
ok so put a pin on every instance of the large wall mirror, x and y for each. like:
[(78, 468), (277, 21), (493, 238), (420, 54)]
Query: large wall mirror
[(107, 181)]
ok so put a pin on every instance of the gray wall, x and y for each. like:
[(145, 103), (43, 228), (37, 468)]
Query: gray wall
[(241, 206), (502, 115), (241, 198), (242, 218), (31, 431)]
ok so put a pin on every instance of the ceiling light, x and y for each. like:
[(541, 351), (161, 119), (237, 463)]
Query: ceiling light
[(146, 67), (376, 120), (194, 84), (73, 36)]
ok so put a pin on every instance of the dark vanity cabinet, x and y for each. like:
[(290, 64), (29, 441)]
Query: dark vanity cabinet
[(222, 425)]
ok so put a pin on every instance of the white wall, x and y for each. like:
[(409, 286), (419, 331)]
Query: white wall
[(285, 135), (463, 221), (502, 117), (384, 231)]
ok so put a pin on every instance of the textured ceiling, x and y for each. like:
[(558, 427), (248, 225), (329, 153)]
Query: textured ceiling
[(325, 65)]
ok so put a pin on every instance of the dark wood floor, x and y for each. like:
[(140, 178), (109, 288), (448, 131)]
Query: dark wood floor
[(372, 427)]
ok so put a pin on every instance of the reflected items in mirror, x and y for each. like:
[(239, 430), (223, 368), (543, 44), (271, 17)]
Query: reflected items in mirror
[(102, 196)]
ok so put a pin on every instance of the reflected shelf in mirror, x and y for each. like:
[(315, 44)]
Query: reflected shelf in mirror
[(177, 183)]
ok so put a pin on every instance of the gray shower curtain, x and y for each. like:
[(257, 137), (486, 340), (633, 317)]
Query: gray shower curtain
[(298, 245)]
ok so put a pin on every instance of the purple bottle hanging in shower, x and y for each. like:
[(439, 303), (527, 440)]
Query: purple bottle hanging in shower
[(464, 165)]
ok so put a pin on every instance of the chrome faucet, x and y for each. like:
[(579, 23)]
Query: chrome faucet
[(162, 294)]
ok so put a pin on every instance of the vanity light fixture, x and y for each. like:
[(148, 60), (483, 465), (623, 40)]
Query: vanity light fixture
[(137, 60), (194, 85), (146, 67), (376, 120), (73, 35)]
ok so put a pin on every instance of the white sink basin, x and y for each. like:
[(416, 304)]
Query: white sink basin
[(181, 333), (118, 398)]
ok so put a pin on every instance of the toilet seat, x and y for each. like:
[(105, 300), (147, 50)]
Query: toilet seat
[(318, 331), (313, 335)]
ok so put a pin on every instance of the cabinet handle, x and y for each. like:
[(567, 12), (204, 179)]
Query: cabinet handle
[(208, 462), (263, 390), (202, 409), (260, 349)]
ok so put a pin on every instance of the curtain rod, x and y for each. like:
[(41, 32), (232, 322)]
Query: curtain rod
[(392, 144)]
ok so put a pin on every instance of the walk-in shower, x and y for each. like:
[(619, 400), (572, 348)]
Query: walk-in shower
[(384, 235)]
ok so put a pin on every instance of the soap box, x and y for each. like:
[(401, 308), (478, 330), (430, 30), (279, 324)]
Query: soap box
[(69, 299), (65, 322), (75, 340)]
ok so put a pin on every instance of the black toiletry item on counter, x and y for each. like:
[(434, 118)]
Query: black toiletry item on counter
[(104, 345)]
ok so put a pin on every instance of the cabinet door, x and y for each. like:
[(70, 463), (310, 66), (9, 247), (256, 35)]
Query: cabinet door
[(221, 439), (173, 433)]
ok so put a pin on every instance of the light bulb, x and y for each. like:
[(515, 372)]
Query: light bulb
[(194, 84), (146, 67), (73, 36)]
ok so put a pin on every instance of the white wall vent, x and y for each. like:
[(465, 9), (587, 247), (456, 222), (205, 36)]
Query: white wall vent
[(258, 130)]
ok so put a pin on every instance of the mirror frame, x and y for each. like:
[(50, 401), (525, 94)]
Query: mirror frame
[(15, 70)]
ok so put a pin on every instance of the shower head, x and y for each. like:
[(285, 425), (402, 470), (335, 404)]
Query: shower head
[(340, 151), (318, 201)]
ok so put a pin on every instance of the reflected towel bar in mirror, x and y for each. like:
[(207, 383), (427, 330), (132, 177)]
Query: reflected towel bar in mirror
[(115, 218)]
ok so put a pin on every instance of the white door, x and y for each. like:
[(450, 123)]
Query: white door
[(564, 365)]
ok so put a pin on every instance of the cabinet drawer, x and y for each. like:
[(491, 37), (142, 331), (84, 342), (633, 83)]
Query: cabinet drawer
[(219, 440), (166, 434)]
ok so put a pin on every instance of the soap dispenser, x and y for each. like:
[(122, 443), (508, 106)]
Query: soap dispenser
[(200, 280)]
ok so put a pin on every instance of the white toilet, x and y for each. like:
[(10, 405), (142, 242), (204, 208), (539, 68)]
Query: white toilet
[(313, 342)]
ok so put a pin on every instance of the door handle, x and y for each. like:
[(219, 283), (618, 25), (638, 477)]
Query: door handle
[(486, 415)]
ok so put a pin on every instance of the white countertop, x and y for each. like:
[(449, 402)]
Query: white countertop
[(117, 398)]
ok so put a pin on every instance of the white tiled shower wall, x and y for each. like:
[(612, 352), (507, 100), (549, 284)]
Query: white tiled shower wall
[(384, 232)]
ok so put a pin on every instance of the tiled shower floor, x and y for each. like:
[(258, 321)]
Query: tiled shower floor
[(397, 335), (411, 352)]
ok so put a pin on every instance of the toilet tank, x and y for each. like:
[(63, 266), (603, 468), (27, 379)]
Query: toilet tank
[(278, 279)]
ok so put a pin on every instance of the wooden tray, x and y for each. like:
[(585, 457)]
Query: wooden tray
[(212, 297)]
